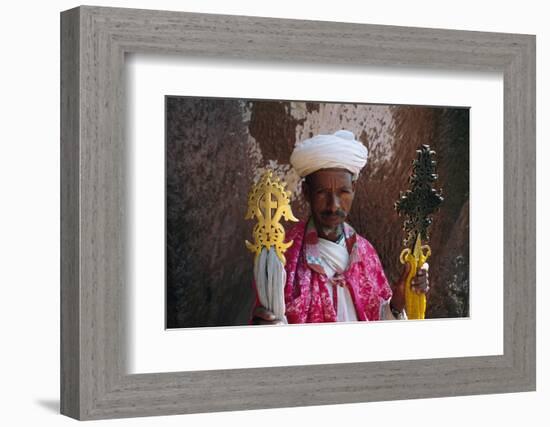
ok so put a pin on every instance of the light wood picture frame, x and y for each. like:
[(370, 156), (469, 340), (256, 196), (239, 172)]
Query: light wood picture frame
[(94, 382)]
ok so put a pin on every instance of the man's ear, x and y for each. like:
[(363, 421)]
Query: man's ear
[(353, 185), (305, 190)]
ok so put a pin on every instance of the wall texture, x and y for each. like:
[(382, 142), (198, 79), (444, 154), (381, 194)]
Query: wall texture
[(217, 148)]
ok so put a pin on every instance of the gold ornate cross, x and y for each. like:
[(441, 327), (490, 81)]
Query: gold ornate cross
[(268, 231)]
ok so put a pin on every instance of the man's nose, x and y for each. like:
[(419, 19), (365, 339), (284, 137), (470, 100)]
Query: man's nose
[(333, 202)]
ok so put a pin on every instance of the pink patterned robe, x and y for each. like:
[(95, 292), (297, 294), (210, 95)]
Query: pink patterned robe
[(306, 296)]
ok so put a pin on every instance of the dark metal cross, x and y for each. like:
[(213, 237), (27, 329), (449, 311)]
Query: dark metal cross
[(422, 200)]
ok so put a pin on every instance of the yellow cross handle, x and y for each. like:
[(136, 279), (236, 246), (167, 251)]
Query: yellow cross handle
[(415, 304)]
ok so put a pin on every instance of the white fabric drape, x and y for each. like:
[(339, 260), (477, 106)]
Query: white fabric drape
[(335, 259), (270, 276)]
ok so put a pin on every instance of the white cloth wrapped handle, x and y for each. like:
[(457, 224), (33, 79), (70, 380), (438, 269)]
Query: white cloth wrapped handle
[(270, 276)]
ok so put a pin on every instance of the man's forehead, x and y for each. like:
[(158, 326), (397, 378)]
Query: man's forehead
[(332, 174)]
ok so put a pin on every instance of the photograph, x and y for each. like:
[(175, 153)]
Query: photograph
[(286, 212)]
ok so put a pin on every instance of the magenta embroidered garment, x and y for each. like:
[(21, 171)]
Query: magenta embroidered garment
[(307, 299)]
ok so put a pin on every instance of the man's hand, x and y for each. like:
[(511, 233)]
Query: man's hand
[(419, 284), (262, 316)]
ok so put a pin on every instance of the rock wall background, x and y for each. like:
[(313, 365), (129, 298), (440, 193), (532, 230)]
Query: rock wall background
[(216, 149)]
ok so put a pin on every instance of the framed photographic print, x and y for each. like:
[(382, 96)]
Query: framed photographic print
[(381, 143)]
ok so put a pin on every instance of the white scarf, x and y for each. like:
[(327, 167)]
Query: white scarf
[(335, 259)]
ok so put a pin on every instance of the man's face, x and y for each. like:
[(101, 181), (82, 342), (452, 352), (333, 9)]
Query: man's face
[(330, 194)]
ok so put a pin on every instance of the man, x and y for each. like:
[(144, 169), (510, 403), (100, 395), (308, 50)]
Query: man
[(333, 274)]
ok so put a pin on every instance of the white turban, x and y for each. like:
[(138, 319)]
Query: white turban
[(339, 150)]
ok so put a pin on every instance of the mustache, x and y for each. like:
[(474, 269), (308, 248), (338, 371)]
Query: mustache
[(338, 212)]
